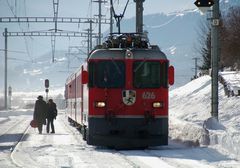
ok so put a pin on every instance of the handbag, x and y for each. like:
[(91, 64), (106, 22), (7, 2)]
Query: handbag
[(33, 123)]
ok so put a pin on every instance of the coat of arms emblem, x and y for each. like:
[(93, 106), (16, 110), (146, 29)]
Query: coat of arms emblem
[(129, 97)]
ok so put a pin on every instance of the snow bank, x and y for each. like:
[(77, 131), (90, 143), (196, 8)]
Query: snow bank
[(231, 80), (190, 118)]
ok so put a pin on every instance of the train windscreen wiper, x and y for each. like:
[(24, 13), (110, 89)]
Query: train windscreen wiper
[(117, 67), (140, 65)]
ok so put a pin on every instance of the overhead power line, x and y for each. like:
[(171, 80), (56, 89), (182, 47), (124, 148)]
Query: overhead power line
[(52, 20), (63, 34), (13, 51)]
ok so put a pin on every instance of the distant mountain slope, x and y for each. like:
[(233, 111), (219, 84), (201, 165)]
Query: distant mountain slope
[(32, 75), (175, 33)]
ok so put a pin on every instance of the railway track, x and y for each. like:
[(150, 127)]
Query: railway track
[(72, 151), (16, 144), (8, 129), (12, 133)]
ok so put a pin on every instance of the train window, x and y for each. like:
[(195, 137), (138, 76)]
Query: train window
[(91, 70), (146, 74), (108, 74)]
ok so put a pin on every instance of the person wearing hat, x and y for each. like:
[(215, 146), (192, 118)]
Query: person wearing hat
[(39, 114), (51, 115)]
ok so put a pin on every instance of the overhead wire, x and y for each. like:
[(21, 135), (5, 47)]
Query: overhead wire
[(172, 19), (178, 13), (25, 40), (11, 8)]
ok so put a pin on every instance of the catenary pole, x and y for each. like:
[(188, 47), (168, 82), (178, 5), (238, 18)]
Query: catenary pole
[(111, 18), (139, 15), (196, 66), (215, 53), (99, 18), (5, 74)]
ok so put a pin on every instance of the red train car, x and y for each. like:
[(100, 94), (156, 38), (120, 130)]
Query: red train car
[(119, 96)]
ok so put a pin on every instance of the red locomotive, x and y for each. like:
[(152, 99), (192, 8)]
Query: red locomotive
[(119, 96)]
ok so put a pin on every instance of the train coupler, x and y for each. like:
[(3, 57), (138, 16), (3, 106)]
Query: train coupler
[(149, 116), (109, 116)]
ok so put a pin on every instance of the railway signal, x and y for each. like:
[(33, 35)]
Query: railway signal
[(46, 83), (46, 86), (204, 5)]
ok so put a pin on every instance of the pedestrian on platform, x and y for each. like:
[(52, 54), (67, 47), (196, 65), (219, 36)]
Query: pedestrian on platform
[(51, 115), (39, 114)]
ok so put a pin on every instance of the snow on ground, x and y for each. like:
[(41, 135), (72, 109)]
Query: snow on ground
[(190, 116), (204, 142), (66, 149), (21, 100), (62, 149), (231, 80)]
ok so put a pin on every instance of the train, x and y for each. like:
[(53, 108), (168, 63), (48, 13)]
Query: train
[(119, 96)]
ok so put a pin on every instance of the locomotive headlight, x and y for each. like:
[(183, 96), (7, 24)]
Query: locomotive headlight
[(100, 104), (128, 54), (157, 104)]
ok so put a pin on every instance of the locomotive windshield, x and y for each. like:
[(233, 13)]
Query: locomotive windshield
[(149, 74), (107, 74)]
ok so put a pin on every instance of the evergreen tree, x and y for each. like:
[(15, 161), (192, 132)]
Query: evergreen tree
[(206, 53)]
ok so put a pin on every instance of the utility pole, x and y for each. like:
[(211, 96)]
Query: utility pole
[(100, 19), (5, 79), (139, 15), (111, 18), (89, 40), (196, 66), (99, 24), (90, 35), (53, 44), (215, 53), (10, 97), (53, 38), (55, 14)]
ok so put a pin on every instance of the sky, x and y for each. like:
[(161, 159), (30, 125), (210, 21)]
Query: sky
[(28, 48), (190, 145)]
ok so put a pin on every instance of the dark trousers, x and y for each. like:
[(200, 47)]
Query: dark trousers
[(50, 121), (40, 127)]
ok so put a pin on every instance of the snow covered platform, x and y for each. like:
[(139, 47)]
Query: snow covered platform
[(66, 149)]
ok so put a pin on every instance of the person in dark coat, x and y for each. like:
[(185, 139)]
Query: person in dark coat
[(51, 115), (40, 113)]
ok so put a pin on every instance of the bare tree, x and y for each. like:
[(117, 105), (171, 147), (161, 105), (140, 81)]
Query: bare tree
[(229, 40)]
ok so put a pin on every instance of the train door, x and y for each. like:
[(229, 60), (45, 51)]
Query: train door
[(85, 99), (75, 97), (81, 97)]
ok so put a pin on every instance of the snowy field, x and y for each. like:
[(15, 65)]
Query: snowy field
[(195, 139)]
